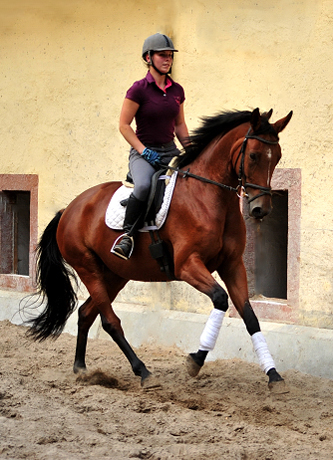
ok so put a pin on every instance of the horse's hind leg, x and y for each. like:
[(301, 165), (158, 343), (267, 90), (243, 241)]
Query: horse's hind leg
[(87, 315), (117, 335), (111, 325), (103, 288)]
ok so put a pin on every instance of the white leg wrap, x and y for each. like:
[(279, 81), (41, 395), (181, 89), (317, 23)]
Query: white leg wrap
[(211, 330), (266, 361)]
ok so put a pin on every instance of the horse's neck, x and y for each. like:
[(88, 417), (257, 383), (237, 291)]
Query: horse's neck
[(215, 162)]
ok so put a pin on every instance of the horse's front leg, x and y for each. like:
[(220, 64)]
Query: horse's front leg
[(236, 282), (194, 272), (209, 335)]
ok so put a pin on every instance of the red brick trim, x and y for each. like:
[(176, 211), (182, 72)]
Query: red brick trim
[(279, 309), (23, 182)]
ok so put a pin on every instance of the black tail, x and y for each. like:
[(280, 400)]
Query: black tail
[(54, 286)]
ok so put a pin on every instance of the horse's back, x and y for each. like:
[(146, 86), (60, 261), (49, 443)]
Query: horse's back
[(96, 193), (84, 216), (92, 200)]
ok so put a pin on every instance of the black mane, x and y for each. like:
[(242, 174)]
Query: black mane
[(216, 127)]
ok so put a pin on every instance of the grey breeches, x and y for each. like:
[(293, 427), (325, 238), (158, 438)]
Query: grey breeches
[(142, 172)]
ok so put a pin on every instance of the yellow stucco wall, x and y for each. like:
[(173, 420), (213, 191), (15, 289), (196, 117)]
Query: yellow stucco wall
[(66, 65)]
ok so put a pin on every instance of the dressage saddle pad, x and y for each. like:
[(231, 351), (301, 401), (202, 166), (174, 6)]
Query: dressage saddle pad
[(115, 213)]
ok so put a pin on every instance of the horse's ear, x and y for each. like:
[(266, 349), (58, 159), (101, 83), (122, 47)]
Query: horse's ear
[(269, 114), (255, 119), (281, 124)]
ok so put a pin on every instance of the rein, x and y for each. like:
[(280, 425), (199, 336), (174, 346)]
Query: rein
[(241, 174), (187, 173)]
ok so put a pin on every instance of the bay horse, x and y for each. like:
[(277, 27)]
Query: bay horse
[(204, 232)]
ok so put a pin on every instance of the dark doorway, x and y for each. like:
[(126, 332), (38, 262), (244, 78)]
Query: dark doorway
[(271, 249), (14, 232)]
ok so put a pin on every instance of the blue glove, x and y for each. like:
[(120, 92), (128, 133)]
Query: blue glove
[(151, 156)]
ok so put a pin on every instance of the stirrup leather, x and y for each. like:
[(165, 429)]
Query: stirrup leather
[(114, 248)]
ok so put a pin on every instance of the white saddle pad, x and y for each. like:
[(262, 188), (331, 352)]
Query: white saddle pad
[(115, 213)]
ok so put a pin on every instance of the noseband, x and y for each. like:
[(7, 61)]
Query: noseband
[(241, 172)]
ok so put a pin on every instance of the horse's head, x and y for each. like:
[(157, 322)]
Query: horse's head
[(259, 153)]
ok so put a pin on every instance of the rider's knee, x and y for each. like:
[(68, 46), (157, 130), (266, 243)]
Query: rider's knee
[(141, 190)]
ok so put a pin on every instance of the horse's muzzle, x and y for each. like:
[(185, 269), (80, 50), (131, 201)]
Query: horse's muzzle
[(260, 207), (260, 203)]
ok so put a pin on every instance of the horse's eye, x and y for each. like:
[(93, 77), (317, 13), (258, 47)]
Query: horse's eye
[(253, 156)]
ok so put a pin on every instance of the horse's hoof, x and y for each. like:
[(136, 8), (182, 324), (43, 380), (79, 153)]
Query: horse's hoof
[(150, 382), (192, 367), (278, 387), (79, 370)]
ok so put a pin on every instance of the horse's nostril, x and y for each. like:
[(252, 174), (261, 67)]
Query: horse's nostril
[(257, 212)]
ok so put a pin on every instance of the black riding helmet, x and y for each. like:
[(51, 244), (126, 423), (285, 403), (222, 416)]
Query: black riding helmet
[(155, 43)]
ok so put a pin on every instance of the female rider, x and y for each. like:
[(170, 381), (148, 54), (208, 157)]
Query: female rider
[(157, 104)]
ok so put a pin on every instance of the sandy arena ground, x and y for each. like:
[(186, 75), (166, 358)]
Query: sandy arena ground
[(227, 412)]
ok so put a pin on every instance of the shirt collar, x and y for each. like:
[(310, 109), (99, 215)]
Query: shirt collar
[(151, 79)]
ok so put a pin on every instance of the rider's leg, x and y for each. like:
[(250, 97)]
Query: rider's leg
[(125, 243), (141, 172)]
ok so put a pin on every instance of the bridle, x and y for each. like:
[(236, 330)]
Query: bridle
[(240, 189), (241, 172)]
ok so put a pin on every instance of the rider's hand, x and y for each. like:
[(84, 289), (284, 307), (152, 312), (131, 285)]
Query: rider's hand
[(151, 156)]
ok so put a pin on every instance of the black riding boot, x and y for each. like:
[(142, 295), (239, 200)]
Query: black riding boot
[(124, 244)]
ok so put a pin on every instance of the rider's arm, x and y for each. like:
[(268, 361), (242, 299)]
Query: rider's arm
[(127, 115), (181, 127)]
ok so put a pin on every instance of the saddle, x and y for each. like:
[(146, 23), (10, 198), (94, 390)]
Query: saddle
[(156, 194), (158, 248)]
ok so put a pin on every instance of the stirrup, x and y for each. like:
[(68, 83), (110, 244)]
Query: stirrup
[(118, 251)]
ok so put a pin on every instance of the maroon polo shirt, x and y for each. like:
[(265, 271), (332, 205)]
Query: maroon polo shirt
[(158, 109)]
